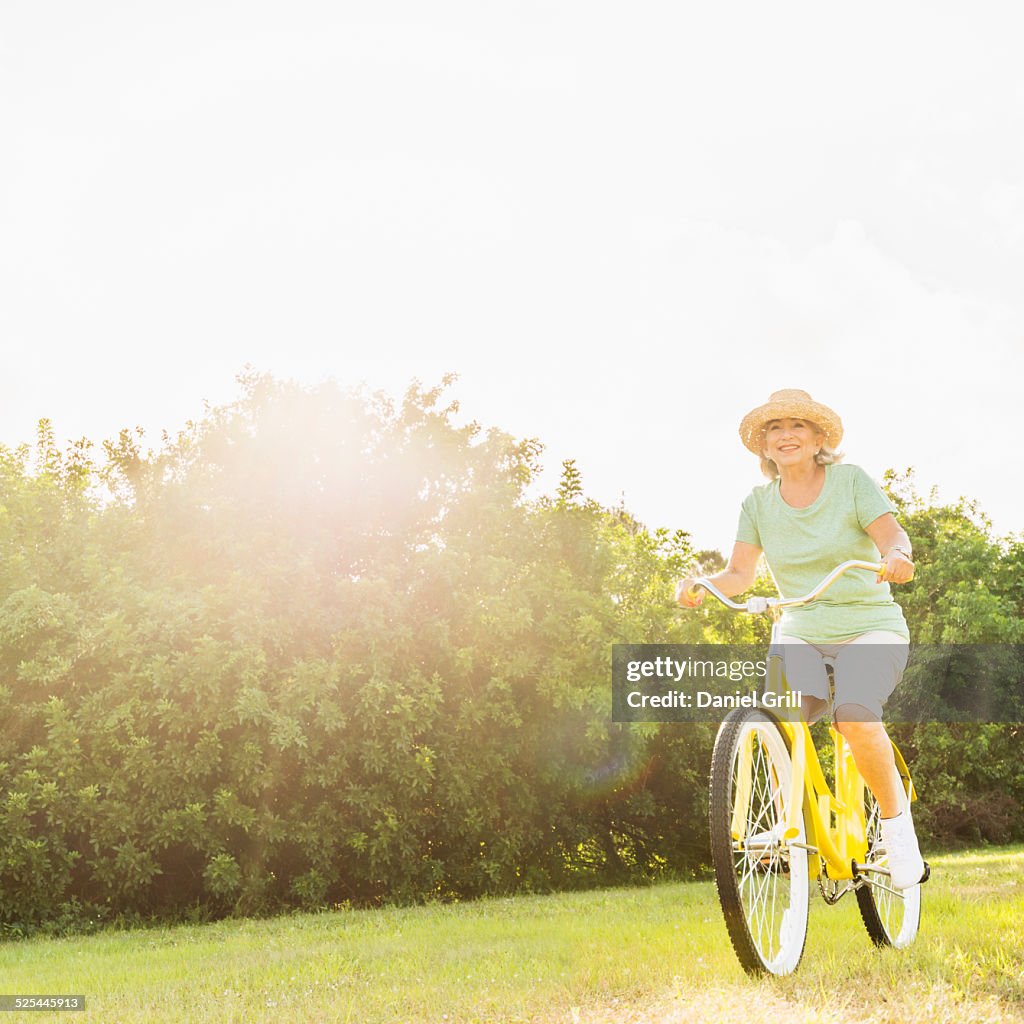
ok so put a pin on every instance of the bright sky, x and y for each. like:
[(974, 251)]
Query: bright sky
[(621, 225)]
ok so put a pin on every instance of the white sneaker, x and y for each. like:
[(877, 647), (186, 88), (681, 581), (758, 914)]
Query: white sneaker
[(906, 866)]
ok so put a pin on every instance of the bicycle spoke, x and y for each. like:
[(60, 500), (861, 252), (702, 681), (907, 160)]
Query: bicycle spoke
[(761, 867), (891, 918), (762, 882)]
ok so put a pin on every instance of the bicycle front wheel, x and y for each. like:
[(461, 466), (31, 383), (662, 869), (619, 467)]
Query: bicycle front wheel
[(891, 919), (762, 879)]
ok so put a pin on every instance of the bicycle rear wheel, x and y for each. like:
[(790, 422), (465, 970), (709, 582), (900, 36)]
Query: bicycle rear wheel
[(891, 920), (762, 879)]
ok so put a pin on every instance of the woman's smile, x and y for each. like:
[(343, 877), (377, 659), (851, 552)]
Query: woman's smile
[(791, 440)]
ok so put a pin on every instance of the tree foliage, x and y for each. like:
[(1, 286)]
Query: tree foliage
[(320, 647)]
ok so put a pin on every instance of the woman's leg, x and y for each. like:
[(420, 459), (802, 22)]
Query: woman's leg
[(812, 708), (868, 669), (872, 753), (805, 673)]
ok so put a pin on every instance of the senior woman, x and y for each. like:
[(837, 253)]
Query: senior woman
[(814, 514)]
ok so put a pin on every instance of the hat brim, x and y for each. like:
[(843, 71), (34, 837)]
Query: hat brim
[(752, 426)]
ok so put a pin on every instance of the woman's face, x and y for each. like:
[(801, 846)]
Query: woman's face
[(791, 442)]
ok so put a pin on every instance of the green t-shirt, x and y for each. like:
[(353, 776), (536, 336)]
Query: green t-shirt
[(803, 545)]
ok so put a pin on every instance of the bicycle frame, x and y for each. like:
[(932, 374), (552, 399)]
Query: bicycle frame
[(845, 842), (839, 847)]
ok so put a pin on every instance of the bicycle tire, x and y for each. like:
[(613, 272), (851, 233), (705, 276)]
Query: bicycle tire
[(890, 920), (762, 889)]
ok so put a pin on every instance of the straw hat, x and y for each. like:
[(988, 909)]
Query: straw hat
[(797, 405)]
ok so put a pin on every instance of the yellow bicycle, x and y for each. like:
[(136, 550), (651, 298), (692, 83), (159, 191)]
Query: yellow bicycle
[(776, 824)]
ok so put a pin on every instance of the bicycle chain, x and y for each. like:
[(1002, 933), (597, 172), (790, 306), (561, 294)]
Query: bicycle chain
[(838, 894)]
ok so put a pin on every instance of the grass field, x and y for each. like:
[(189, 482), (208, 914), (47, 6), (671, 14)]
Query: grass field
[(658, 955)]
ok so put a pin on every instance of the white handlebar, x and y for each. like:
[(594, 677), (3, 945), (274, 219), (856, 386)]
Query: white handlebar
[(759, 605)]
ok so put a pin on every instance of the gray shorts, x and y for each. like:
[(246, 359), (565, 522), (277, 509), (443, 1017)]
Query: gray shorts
[(866, 670)]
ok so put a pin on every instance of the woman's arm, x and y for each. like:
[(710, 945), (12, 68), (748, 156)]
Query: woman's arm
[(736, 577), (887, 535)]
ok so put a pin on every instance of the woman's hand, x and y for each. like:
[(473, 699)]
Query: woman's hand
[(896, 568), (686, 596), (890, 537)]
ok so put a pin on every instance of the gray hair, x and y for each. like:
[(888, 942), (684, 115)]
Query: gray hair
[(826, 456)]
